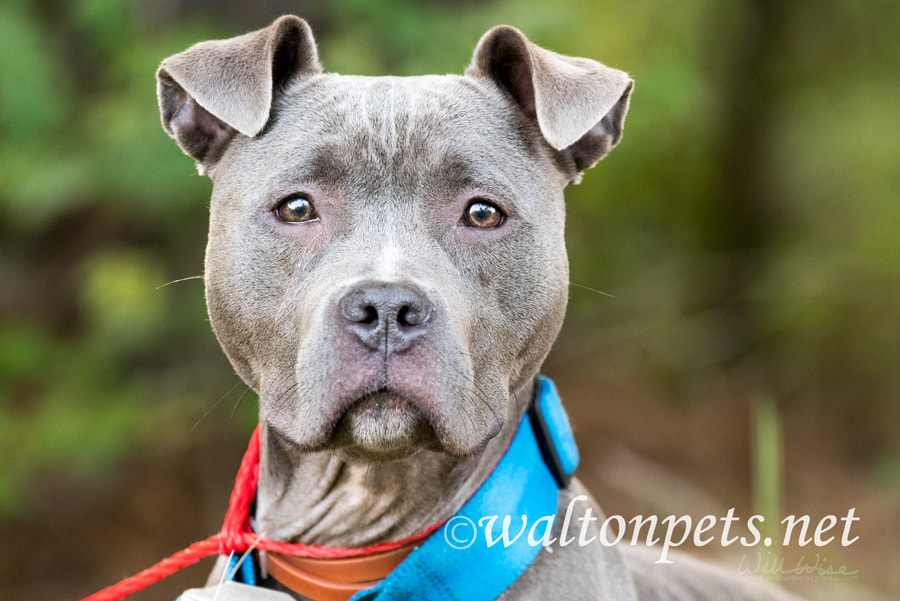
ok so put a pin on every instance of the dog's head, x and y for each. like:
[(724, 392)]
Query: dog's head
[(386, 265)]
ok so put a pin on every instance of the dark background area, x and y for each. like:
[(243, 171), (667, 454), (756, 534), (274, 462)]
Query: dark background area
[(733, 332)]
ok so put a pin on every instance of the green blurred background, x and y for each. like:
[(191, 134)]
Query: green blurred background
[(734, 325)]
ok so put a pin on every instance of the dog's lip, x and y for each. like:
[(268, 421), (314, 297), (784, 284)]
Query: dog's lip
[(382, 398), (377, 394), (383, 423)]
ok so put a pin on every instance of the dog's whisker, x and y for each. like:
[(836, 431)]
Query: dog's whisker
[(193, 277), (600, 292), (214, 405), (290, 389), (476, 390), (238, 402)]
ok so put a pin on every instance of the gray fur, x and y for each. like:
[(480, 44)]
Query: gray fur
[(364, 443)]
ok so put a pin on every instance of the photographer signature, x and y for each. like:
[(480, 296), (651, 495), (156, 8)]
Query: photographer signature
[(770, 567)]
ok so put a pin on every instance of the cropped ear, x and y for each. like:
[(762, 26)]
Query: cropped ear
[(216, 89), (578, 104)]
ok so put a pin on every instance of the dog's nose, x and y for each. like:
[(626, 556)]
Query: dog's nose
[(387, 317)]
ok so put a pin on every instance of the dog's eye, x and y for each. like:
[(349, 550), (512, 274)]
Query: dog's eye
[(296, 210), (483, 214)]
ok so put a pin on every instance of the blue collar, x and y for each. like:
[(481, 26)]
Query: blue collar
[(458, 562)]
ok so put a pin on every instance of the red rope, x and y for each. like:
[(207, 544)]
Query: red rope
[(236, 536)]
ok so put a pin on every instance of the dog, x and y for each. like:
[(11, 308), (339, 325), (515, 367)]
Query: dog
[(386, 267)]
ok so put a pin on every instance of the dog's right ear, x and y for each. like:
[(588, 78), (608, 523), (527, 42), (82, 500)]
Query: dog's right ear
[(216, 89)]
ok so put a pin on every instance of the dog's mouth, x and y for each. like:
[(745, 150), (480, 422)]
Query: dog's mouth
[(383, 425)]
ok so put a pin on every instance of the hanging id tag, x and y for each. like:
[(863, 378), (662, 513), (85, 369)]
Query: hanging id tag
[(233, 591)]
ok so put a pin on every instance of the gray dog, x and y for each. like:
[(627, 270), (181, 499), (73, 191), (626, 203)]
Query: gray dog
[(386, 268)]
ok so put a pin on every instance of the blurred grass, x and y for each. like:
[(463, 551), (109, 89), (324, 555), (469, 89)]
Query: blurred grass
[(767, 474)]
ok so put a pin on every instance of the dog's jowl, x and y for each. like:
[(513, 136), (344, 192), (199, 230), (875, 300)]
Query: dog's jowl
[(386, 268)]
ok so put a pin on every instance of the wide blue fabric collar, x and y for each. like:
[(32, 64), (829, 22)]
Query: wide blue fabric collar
[(458, 562)]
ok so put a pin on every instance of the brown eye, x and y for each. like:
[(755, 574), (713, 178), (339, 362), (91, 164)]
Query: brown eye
[(296, 210), (483, 214)]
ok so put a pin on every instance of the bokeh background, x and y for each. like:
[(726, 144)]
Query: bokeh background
[(733, 333)]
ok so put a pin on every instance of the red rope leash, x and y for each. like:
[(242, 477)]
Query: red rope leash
[(236, 536)]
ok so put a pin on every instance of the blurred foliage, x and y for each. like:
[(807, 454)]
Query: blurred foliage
[(747, 227)]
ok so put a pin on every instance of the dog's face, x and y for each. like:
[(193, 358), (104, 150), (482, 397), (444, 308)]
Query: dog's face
[(386, 264)]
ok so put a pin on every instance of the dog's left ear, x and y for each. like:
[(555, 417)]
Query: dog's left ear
[(578, 104)]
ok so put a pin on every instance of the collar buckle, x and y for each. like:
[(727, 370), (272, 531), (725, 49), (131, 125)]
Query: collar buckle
[(553, 431)]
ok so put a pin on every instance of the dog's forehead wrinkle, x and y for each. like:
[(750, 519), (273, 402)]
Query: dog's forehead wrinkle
[(388, 109)]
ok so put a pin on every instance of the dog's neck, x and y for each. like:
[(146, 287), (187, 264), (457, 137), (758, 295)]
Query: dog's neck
[(320, 499)]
